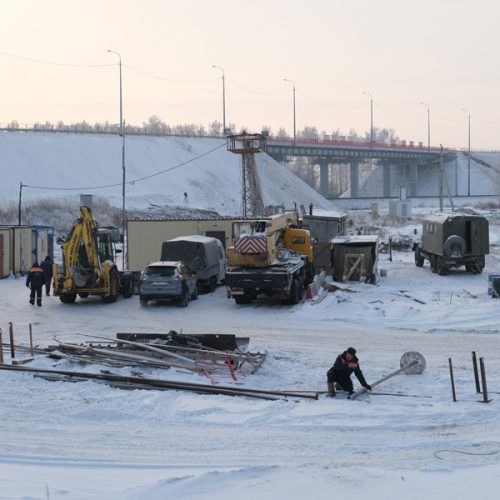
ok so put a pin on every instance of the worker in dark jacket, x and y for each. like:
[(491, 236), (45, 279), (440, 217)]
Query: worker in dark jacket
[(46, 265), (339, 375), (35, 280)]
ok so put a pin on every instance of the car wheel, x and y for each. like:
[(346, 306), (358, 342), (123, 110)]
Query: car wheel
[(183, 302), (419, 258), (143, 301)]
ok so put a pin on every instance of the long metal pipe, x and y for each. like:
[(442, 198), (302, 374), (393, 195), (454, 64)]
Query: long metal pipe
[(383, 379), (165, 384)]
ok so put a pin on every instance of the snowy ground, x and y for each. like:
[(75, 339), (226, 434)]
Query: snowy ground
[(86, 441)]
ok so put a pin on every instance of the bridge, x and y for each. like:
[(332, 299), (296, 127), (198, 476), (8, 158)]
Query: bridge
[(403, 159)]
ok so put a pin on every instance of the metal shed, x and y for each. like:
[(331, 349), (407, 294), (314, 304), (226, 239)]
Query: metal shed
[(324, 225), (20, 256), (5, 236), (145, 236), (354, 258)]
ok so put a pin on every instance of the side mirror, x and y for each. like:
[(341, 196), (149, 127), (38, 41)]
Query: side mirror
[(415, 231)]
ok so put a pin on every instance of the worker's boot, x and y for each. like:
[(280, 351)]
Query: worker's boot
[(32, 302), (331, 389), (39, 303)]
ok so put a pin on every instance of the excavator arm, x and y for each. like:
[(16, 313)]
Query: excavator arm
[(80, 251)]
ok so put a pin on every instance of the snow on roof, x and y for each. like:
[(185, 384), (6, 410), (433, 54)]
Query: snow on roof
[(441, 217), (194, 238), (359, 238), (318, 212)]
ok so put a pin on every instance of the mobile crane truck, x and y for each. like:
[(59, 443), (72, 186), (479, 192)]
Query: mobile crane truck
[(88, 266), (271, 257)]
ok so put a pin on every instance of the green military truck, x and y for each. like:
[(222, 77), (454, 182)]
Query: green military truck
[(453, 240)]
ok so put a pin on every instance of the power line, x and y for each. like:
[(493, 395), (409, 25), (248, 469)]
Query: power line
[(131, 182), (413, 113), (255, 91), (339, 106), (52, 63), (156, 77)]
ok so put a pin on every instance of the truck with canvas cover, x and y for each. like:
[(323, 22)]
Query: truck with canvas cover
[(88, 266), (453, 240), (271, 257), (204, 255)]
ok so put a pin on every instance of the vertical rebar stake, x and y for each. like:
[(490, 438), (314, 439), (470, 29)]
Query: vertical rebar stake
[(452, 381), (11, 334), (31, 341), (483, 381), (476, 373), (1, 348)]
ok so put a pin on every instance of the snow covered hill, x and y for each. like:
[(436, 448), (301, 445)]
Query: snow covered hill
[(159, 171)]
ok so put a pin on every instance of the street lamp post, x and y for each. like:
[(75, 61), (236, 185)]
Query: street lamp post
[(428, 126), (294, 121), (468, 156), (122, 133), (223, 99), (371, 117)]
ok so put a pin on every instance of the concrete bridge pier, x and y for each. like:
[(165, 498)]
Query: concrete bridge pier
[(324, 177), (413, 178), (386, 180), (354, 178)]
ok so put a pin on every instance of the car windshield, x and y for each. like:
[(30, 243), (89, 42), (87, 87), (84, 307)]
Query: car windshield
[(160, 271)]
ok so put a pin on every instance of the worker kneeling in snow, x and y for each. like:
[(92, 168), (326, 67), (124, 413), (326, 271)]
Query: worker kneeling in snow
[(339, 375)]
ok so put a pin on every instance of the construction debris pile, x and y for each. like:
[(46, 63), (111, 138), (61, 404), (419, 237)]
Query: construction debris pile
[(209, 355)]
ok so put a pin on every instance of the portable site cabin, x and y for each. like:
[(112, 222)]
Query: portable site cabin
[(354, 258), (4, 251), (18, 251), (146, 236), (324, 225)]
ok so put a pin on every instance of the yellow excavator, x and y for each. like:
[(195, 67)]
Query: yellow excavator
[(88, 266)]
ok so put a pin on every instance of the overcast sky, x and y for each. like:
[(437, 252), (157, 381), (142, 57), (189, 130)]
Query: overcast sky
[(444, 53)]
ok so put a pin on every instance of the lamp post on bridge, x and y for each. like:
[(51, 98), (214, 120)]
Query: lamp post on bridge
[(468, 155), (223, 99), (294, 122), (122, 133), (428, 126), (371, 116)]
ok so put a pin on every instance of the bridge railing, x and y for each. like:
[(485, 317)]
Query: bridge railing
[(327, 141)]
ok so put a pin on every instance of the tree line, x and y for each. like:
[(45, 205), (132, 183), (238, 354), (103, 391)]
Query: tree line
[(156, 126)]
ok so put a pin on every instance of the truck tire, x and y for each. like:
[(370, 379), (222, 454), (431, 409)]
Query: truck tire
[(454, 246), (127, 285), (433, 262), (294, 297), (114, 287), (419, 258), (183, 302), (243, 299), (442, 268), (68, 298)]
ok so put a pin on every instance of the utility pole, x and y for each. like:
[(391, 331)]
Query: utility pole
[(428, 126), (19, 208), (223, 99), (441, 179), (371, 117), (122, 133), (468, 156), (294, 121)]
